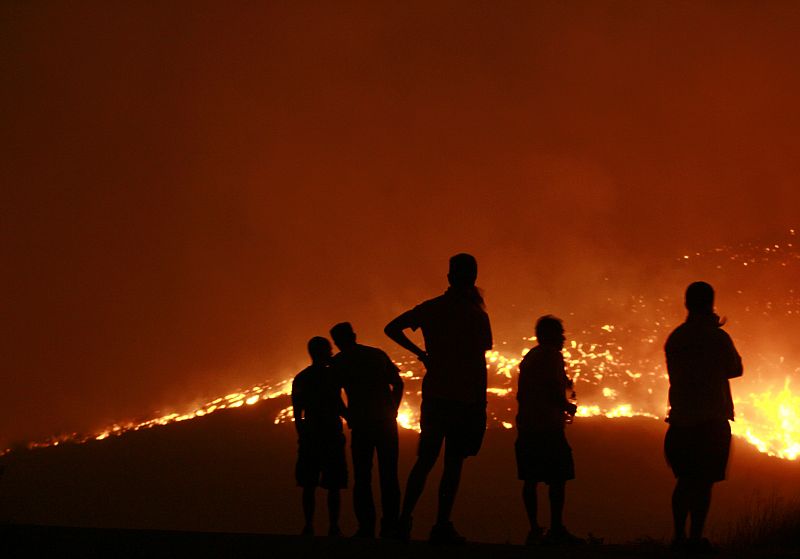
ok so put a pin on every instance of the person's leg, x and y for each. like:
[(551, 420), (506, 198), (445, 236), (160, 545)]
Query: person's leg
[(680, 509), (712, 448), (334, 507), (531, 502), (309, 501), (362, 447), (557, 491), (429, 448), (388, 453), (307, 474), (448, 487), (699, 504), (334, 478)]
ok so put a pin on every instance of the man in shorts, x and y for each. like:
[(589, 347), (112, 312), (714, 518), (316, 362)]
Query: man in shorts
[(374, 389), (318, 409), (542, 451), (701, 358), (457, 334)]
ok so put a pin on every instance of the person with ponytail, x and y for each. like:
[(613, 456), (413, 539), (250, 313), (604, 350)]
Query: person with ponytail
[(457, 334)]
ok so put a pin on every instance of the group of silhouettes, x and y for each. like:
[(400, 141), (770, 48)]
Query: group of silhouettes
[(701, 358)]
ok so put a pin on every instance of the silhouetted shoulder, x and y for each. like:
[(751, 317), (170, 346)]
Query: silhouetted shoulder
[(336, 360), (724, 336), (542, 357), (384, 357), (675, 336), (695, 333), (302, 378), (360, 354), (424, 312), (376, 352)]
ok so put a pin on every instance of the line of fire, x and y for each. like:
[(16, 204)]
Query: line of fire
[(618, 369)]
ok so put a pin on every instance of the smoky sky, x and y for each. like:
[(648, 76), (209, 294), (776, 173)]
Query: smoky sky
[(191, 190)]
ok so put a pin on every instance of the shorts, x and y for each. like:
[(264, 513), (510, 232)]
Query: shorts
[(321, 462), (460, 425), (544, 456), (699, 451)]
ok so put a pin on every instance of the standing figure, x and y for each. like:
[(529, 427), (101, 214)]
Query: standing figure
[(318, 408), (457, 335), (701, 358), (374, 390), (542, 451)]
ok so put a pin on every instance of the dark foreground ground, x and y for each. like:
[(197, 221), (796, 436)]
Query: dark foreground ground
[(233, 473), (42, 541)]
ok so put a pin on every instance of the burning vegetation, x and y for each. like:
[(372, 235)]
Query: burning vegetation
[(618, 367)]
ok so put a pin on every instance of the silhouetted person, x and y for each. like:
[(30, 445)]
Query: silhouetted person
[(701, 358), (542, 451), (457, 335), (374, 390), (318, 408)]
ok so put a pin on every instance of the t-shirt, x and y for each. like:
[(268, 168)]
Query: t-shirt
[(541, 391), (457, 335), (701, 358), (316, 393), (372, 384)]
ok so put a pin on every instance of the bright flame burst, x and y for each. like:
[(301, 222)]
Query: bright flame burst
[(612, 380), (771, 422)]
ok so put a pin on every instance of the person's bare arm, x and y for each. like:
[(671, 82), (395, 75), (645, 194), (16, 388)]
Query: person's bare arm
[(297, 411), (487, 336), (344, 411), (395, 382), (342, 408), (395, 331), (735, 368), (558, 383)]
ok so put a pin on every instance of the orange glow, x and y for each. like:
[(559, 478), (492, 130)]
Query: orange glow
[(609, 383), (769, 420)]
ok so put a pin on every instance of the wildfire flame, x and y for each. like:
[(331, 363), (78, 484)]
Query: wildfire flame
[(771, 422), (612, 380)]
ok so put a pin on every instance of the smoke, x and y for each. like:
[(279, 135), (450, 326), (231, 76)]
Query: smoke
[(192, 191)]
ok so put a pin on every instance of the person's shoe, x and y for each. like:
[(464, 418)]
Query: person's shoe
[(677, 545), (535, 537), (700, 546), (389, 530), (365, 533), (308, 531), (404, 529), (561, 536), (445, 534), (334, 532)]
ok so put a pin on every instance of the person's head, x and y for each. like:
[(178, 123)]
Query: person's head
[(319, 349), (463, 270), (343, 335), (700, 298), (550, 331)]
